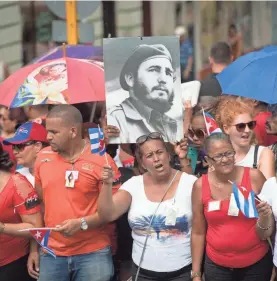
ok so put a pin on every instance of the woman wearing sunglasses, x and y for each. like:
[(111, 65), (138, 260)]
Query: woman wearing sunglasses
[(29, 139), (197, 133), (27, 142), (236, 120), (235, 244), (159, 213), (19, 209)]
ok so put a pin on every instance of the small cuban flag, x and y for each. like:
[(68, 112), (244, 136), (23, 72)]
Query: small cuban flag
[(41, 236), (245, 201), (211, 125), (97, 141)]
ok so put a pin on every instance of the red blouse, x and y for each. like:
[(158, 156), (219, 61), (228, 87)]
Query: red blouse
[(232, 241), (15, 201)]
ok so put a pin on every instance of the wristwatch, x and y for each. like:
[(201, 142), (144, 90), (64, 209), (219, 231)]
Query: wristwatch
[(84, 225), (194, 274)]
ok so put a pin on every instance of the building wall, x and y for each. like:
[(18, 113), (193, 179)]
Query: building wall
[(10, 34), (97, 20), (163, 17), (129, 18)]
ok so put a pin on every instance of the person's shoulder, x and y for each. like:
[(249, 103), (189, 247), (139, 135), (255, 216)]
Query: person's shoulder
[(95, 161), (198, 183), (187, 182), (46, 155), (118, 109), (133, 183), (188, 178), (210, 79), (20, 180), (114, 109), (210, 86), (257, 179)]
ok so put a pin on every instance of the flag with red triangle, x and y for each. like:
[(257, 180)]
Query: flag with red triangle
[(41, 236), (211, 124)]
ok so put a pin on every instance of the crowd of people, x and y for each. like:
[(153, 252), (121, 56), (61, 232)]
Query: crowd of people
[(149, 210)]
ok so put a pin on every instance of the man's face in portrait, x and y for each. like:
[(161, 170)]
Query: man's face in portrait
[(153, 84)]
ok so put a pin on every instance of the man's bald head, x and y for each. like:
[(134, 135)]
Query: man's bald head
[(70, 115), (64, 127)]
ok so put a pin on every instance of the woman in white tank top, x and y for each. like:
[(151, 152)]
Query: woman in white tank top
[(159, 213), (235, 117)]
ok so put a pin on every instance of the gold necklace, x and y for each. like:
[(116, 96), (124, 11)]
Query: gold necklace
[(73, 160), (218, 186)]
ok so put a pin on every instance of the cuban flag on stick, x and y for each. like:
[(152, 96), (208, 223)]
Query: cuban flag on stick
[(41, 235), (210, 123), (97, 142), (245, 201)]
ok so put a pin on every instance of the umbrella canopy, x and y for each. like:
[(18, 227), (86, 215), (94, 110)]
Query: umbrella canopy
[(61, 81), (252, 76), (78, 52)]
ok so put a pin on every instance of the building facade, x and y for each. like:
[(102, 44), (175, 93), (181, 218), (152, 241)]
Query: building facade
[(25, 26)]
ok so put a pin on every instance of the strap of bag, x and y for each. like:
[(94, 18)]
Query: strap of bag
[(149, 226), (255, 164)]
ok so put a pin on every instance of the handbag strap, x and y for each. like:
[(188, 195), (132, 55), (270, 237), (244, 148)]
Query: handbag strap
[(255, 163), (150, 224)]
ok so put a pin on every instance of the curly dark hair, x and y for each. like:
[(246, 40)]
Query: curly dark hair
[(5, 163)]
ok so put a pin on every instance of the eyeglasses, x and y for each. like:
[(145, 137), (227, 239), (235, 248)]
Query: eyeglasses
[(219, 157), (153, 136), (199, 133), (241, 126), (21, 146)]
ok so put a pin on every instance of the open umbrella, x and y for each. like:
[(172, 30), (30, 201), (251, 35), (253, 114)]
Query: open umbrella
[(61, 81), (253, 75), (76, 51)]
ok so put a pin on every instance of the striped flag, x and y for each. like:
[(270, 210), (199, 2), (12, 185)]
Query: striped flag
[(211, 124), (245, 201), (97, 141), (42, 236)]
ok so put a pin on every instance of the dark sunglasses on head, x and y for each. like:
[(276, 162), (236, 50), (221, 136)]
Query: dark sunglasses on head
[(199, 133), (21, 146), (241, 126), (153, 136)]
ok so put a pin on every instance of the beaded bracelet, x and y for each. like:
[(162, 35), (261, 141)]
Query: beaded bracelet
[(263, 228)]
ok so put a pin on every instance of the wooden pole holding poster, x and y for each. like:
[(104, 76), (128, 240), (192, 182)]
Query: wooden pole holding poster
[(71, 22)]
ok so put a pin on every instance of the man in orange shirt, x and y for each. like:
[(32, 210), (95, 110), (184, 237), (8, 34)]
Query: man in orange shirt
[(68, 179)]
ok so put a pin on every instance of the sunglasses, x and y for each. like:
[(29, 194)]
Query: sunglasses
[(21, 146), (219, 157), (152, 136), (241, 126), (199, 133)]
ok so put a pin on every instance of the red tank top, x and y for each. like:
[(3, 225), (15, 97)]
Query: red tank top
[(232, 241)]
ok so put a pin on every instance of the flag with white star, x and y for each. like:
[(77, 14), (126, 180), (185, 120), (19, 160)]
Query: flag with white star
[(41, 236), (211, 124)]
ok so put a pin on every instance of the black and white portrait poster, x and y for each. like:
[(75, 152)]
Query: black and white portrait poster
[(143, 87)]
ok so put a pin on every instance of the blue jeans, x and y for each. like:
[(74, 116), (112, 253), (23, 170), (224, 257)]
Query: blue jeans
[(96, 266)]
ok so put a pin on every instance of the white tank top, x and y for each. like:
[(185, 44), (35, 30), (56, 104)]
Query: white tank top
[(168, 247), (248, 160)]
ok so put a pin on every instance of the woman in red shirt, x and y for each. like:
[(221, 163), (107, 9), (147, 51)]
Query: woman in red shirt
[(17, 212), (235, 246)]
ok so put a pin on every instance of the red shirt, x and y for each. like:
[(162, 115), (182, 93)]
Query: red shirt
[(260, 131), (63, 203), (232, 241), (12, 199)]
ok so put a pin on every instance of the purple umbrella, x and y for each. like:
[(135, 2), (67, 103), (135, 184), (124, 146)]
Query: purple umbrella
[(78, 51)]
